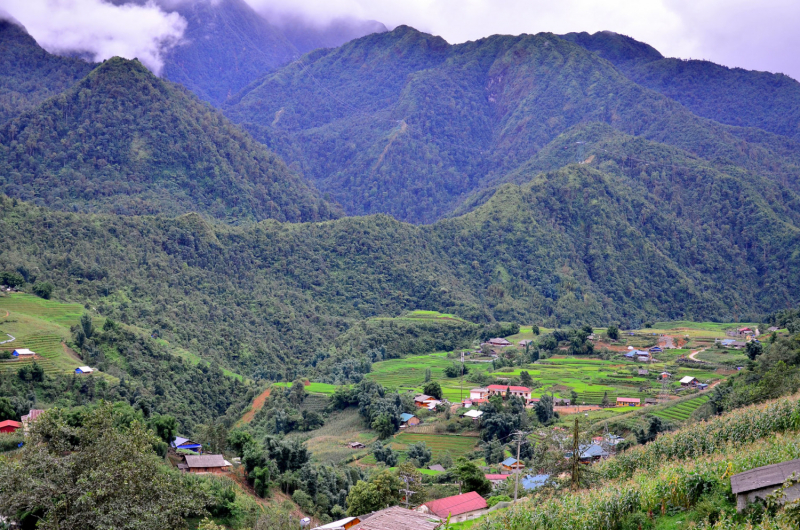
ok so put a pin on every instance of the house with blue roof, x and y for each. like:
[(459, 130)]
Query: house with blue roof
[(187, 444), (511, 464), (531, 482), (407, 419)]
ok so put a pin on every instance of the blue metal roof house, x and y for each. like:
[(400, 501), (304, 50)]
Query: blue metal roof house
[(404, 417), (531, 482), (185, 443)]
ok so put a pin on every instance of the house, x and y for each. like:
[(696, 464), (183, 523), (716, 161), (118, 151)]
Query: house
[(518, 391), (592, 453), (656, 349), (478, 393), (531, 482), (744, 330), (474, 415), (511, 464), (642, 356), (561, 402), (185, 443), (23, 352), (689, 381), (341, 524), (408, 420), (649, 402), (29, 418), (207, 464), (425, 401), (83, 370), (397, 518), (9, 426), (356, 445), (738, 344), (499, 342), (665, 375), (496, 478), (727, 342), (432, 404), (525, 342), (437, 467), (772, 329), (761, 481), (644, 371), (458, 507), (628, 402)]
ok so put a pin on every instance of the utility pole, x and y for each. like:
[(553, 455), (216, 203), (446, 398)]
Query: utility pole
[(576, 457), (462, 376), (407, 492)]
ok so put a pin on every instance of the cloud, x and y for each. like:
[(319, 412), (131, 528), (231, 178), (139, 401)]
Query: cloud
[(99, 29)]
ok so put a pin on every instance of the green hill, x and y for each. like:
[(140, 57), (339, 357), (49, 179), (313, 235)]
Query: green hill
[(28, 74), (122, 140), (728, 95), (406, 124)]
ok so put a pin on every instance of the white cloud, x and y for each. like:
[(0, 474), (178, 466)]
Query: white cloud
[(98, 28)]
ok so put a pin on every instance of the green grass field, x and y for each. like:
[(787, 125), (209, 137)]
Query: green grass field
[(682, 410), (437, 443), (314, 388)]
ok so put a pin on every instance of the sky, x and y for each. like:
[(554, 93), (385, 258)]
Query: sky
[(752, 34)]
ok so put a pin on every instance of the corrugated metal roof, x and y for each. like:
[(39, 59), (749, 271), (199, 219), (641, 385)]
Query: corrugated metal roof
[(337, 524), (510, 461), (397, 518), (762, 477), (205, 461), (457, 504)]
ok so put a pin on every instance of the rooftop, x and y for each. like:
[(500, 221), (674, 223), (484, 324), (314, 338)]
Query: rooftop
[(502, 388), (762, 477), (337, 524), (205, 461), (397, 518), (457, 504), (510, 461)]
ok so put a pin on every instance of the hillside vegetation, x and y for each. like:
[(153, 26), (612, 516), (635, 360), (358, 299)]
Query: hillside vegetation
[(406, 124), (124, 141)]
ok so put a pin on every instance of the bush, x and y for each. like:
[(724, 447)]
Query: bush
[(43, 289), (491, 501), (303, 500), (10, 442)]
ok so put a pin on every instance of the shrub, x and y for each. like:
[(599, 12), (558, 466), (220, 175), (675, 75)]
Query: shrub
[(43, 289), (491, 501)]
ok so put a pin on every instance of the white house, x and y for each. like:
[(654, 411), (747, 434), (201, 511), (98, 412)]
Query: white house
[(83, 370), (23, 352), (478, 393)]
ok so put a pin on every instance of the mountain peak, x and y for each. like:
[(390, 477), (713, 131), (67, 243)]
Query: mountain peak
[(615, 47)]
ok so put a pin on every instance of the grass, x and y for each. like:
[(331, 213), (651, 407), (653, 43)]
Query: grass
[(682, 410), (431, 315), (313, 388), (437, 443), (329, 443)]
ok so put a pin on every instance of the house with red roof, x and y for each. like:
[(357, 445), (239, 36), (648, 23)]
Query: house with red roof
[(458, 507), (9, 426), (496, 478), (516, 391)]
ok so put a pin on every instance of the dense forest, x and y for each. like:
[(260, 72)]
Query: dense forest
[(406, 124), (124, 141)]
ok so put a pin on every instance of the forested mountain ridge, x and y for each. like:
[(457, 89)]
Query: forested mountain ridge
[(124, 141), (606, 241), (407, 124), (733, 96), (29, 74)]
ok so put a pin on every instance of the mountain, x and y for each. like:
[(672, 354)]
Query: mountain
[(406, 124), (728, 95), (307, 36), (124, 141), (609, 240), (226, 46), (29, 74)]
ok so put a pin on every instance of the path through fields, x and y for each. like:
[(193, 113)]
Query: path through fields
[(258, 404)]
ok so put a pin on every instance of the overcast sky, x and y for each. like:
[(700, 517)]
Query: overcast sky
[(753, 34)]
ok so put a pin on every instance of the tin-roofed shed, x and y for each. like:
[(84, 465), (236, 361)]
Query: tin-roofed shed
[(762, 481)]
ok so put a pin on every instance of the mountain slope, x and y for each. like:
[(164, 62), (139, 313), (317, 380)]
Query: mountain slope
[(605, 241), (125, 141), (28, 74), (406, 124), (733, 96), (307, 36), (226, 46)]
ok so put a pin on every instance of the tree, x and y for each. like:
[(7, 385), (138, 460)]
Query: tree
[(472, 478), (544, 409), (7, 411), (433, 389), (613, 332), (427, 375), (383, 426), (11, 279), (275, 519), (43, 289), (166, 427), (411, 480), (298, 393), (753, 350), (238, 440), (605, 403), (419, 452), (87, 326), (213, 436), (654, 427), (573, 396), (535, 329), (526, 379), (382, 491), (106, 476), (493, 451), (385, 454)]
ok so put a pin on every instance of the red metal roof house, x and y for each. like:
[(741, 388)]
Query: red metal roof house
[(458, 507), (9, 426)]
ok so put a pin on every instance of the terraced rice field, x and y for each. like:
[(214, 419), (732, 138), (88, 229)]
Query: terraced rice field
[(681, 411), (64, 314), (49, 351), (314, 388), (437, 443)]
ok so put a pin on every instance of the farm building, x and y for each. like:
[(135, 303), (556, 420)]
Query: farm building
[(185, 443), (9, 426), (649, 402), (408, 420), (30, 417), (206, 464), (397, 518), (496, 478), (744, 330), (458, 507), (665, 375), (478, 393), (356, 445), (525, 342), (772, 329), (83, 370), (531, 482), (762, 481), (474, 415), (644, 371), (518, 391), (23, 352), (628, 402), (342, 524), (511, 464), (426, 401), (689, 381), (656, 349), (437, 467), (499, 342), (561, 402)]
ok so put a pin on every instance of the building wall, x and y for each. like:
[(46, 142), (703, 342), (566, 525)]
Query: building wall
[(791, 493)]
